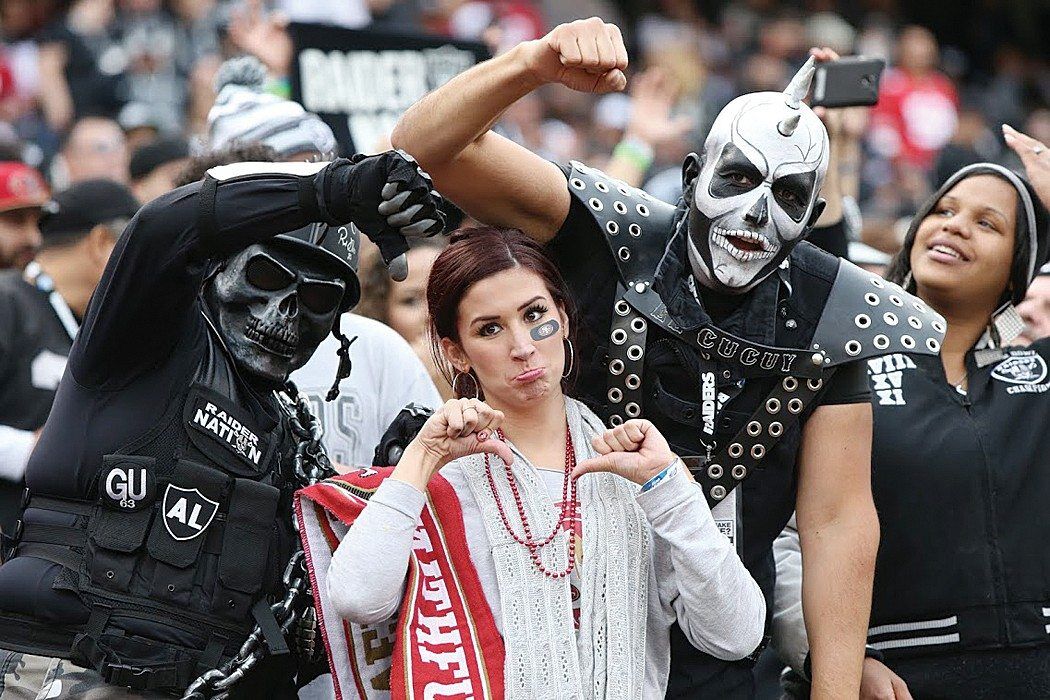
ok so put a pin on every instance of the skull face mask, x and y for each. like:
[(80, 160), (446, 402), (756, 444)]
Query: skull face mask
[(754, 195), (275, 304)]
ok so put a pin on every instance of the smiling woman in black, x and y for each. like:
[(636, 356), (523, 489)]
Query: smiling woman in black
[(961, 446)]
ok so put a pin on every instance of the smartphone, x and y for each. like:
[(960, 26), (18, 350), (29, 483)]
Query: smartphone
[(848, 82)]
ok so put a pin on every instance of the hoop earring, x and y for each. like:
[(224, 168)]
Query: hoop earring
[(463, 394), (572, 360)]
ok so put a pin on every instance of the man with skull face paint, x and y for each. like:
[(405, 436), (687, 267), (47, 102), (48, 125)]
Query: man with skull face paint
[(713, 319), (157, 523)]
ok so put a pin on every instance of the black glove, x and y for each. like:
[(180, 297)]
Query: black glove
[(402, 430), (390, 198)]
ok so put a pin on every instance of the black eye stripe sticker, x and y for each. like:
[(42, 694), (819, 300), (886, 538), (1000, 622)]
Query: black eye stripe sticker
[(545, 330)]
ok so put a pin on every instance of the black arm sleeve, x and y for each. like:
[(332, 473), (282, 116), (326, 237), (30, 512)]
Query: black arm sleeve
[(849, 384), (147, 298)]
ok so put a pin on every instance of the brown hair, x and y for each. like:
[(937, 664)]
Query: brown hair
[(475, 254)]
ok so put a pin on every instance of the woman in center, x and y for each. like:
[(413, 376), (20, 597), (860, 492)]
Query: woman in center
[(588, 543)]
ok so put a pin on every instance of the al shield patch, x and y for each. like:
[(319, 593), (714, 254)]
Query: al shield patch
[(187, 512)]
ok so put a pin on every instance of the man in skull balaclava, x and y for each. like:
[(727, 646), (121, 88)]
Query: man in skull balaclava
[(157, 541), (713, 319)]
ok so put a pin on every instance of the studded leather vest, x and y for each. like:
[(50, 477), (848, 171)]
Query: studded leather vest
[(184, 533)]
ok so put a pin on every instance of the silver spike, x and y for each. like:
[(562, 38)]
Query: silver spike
[(788, 125), (797, 89)]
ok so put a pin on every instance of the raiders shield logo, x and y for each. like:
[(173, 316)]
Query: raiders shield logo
[(1021, 369), (187, 512)]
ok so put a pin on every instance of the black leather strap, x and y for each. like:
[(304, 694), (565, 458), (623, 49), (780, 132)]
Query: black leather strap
[(626, 361)]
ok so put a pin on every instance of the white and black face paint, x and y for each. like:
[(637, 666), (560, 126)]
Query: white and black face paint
[(754, 195)]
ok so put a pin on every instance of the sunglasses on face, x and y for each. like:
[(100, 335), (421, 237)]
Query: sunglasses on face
[(266, 274)]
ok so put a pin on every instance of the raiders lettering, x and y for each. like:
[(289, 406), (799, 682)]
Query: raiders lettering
[(224, 427), (707, 405)]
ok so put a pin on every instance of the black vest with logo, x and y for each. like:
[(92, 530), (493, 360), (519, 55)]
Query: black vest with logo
[(730, 398), (180, 538)]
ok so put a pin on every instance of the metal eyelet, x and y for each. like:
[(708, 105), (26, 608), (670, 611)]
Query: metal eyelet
[(612, 227), (715, 471), (881, 342), (718, 492), (739, 472), (602, 187), (615, 394), (596, 204), (632, 409), (862, 320), (642, 209), (638, 325), (615, 420), (933, 345), (814, 384), (872, 298), (853, 348), (623, 253), (619, 336), (754, 428), (633, 381), (758, 451), (915, 323), (790, 384), (634, 352), (622, 308), (620, 207), (795, 406), (896, 300), (890, 318), (735, 450), (772, 405), (876, 282), (937, 326), (907, 341), (623, 190), (577, 183), (634, 229), (775, 429), (919, 306), (616, 366)]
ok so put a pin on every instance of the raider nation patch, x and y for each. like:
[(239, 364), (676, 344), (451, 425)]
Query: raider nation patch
[(227, 430)]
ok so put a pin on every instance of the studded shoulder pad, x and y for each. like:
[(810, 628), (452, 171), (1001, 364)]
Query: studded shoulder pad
[(866, 316), (636, 225)]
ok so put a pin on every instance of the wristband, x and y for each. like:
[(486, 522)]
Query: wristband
[(656, 479), (637, 152)]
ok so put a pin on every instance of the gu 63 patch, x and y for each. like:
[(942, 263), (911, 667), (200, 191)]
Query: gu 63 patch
[(221, 430), (127, 483), (187, 512)]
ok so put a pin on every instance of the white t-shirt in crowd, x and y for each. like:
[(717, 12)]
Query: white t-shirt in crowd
[(387, 375), (343, 13)]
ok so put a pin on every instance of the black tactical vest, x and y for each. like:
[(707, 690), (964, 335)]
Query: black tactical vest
[(186, 532)]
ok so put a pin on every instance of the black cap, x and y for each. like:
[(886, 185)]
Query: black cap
[(338, 245), (151, 156), (85, 205)]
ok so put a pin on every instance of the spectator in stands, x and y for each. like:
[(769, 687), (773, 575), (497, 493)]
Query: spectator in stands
[(155, 166), (22, 193), (95, 147)]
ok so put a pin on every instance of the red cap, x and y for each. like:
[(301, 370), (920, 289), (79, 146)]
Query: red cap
[(21, 187)]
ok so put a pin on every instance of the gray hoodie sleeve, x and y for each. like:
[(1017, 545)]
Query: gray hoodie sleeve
[(366, 578)]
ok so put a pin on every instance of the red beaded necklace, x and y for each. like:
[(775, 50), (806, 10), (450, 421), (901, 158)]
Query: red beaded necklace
[(568, 515)]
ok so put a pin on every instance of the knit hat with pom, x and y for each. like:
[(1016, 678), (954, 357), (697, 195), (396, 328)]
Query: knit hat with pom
[(244, 113)]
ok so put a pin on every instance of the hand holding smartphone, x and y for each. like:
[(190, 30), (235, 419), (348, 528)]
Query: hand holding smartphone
[(847, 82)]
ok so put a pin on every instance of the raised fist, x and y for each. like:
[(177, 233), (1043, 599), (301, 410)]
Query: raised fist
[(393, 199), (634, 450), (463, 427), (586, 55)]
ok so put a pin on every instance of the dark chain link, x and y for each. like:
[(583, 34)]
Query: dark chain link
[(294, 613)]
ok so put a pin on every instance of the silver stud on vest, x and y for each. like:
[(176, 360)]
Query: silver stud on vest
[(718, 492), (714, 471)]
